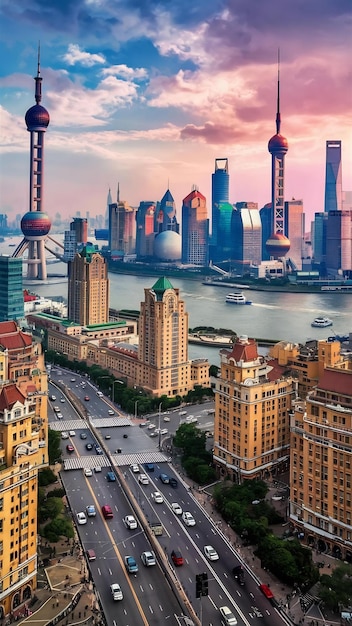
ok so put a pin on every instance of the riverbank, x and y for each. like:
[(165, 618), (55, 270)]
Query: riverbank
[(288, 288), (219, 341)]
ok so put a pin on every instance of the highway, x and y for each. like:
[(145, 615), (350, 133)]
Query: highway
[(148, 596)]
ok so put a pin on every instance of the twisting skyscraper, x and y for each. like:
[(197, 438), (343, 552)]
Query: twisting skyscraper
[(333, 177), (35, 224), (278, 244)]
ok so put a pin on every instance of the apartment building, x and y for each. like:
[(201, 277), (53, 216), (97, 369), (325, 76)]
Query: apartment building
[(23, 452)]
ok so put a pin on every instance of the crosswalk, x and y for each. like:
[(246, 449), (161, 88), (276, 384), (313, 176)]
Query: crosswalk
[(103, 422), (118, 460)]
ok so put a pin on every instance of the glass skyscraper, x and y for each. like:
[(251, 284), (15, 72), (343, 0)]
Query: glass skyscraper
[(333, 177), (11, 292)]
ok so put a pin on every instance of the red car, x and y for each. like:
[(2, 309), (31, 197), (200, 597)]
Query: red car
[(177, 557), (87, 398), (70, 448)]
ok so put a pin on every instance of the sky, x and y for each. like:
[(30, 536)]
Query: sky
[(148, 93)]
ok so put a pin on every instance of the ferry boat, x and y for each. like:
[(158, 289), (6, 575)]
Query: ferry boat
[(237, 297), (321, 322)]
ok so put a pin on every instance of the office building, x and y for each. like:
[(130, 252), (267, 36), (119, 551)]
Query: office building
[(122, 228), (319, 241), (321, 465), (333, 177), (294, 231), (165, 217), (278, 244), (75, 237), (11, 291), (145, 230), (220, 209), (195, 229), (253, 397), (266, 217), (339, 243), (88, 288), (23, 452), (246, 236)]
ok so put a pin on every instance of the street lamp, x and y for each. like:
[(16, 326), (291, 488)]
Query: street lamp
[(120, 382), (159, 433), (135, 409)]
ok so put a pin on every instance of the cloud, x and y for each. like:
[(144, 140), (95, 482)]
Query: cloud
[(76, 55), (124, 71)]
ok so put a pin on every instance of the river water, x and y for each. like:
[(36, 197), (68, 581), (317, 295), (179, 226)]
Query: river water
[(275, 316)]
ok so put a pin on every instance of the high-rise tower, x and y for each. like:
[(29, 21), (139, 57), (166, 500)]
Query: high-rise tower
[(88, 288), (195, 229), (278, 244), (35, 224), (333, 177)]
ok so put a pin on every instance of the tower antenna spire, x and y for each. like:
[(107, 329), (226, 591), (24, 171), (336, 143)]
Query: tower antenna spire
[(278, 116), (118, 192), (38, 80)]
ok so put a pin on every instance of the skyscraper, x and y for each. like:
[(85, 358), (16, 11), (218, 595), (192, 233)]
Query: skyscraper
[(294, 230), (195, 229), (333, 177), (339, 243), (35, 224), (122, 227), (88, 288), (246, 235), (165, 215), (219, 208), (11, 292), (145, 229), (278, 244), (163, 341)]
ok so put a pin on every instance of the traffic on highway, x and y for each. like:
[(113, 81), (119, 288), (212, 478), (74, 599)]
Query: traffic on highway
[(144, 535)]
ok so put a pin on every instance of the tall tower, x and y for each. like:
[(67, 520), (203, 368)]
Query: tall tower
[(11, 293), (333, 177), (35, 224), (122, 227), (88, 288), (278, 244), (163, 341), (195, 229)]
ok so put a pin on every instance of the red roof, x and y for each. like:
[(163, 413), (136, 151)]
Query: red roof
[(9, 395), (336, 381), (11, 337), (193, 194), (244, 351)]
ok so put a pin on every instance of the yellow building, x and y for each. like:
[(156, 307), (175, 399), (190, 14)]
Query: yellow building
[(253, 397), (321, 465), (23, 451), (88, 288)]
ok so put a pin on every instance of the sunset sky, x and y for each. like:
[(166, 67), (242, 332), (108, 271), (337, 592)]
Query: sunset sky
[(148, 93)]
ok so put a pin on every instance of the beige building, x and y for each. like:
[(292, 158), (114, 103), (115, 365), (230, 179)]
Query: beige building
[(253, 397), (23, 451), (321, 465), (88, 288)]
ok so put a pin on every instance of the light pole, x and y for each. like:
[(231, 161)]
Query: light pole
[(135, 409), (159, 429), (113, 388)]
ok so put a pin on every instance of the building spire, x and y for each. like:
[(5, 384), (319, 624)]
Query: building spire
[(38, 80), (118, 192), (278, 116)]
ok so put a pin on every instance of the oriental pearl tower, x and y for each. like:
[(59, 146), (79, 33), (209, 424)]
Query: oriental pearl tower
[(35, 224), (278, 244)]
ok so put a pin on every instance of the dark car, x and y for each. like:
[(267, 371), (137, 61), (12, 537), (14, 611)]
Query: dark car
[(87, 398), (173, 482), (83, 435), (98, 450), (89, 446), (149, 467), (177, 557), (70, 447), (238, 573)]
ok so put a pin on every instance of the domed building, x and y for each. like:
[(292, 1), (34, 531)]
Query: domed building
[(167, 246)]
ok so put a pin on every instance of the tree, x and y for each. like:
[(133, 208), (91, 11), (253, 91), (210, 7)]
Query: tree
[(46, 477), (54, 446), (57, 528)]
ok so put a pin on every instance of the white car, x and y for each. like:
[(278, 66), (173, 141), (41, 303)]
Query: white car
[(188, 518), (135, 468), (157, 497), (64, 435), (116, 591), (143, 479), (166, 419), (164, 431), (148, 558), (88, 471), (62, 400), (81, 518), (130, 522), (176, 508), (59, 416), (228, 618), (211, 553), (71, 433), (150, 426), (111, 412)]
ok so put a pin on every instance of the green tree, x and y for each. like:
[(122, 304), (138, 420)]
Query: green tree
[(54, 446), (57, 528), (46, 477)]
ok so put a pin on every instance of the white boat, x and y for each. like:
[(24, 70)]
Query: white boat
[(321, 322), (237, 297)]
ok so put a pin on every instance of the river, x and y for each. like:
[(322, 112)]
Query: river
[(272, 315)]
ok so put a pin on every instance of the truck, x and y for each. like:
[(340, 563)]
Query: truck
[(156, 528)]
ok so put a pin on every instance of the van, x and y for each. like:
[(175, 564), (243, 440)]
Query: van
[(91, 556), (107, 511)]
